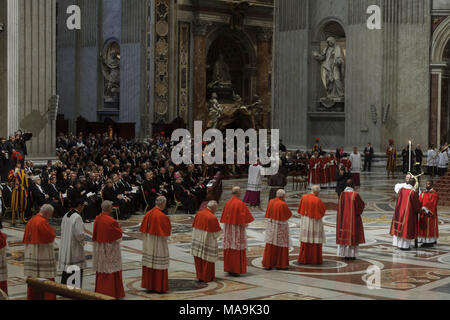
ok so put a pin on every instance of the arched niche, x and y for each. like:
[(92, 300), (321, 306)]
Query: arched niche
[(239, 54), (324, 98)]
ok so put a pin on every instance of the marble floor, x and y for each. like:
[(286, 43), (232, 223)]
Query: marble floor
[(417, 274)]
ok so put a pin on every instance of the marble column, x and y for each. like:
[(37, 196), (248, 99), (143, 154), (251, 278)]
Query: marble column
[(263, 70), (438, 101), (200, 107), (434, 108)]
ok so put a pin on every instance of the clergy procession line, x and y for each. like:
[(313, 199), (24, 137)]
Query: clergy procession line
[(415, 218)]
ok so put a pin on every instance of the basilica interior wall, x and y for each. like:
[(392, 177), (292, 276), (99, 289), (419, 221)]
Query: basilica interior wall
[(383, 67)]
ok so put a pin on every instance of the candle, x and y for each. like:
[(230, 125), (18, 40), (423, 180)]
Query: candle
[(409, 164)]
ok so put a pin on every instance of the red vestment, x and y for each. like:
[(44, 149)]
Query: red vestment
[(236, 216), (314, 171), (404, 222), (107, 230), (3, 284), (349, 226), (276, 253), (313, 208), (158, 224), (347, 163), (428, 222), (332, 169), (206, 221), (39, 231), (324, 174)]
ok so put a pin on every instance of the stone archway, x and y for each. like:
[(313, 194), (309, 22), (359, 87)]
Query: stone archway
[(239, 54), (440, 84)]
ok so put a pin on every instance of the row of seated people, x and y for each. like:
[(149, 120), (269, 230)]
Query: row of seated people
[(190, 191)]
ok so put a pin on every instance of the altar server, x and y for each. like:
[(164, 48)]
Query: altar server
[(428, 219), (253, 193), (71, 250)]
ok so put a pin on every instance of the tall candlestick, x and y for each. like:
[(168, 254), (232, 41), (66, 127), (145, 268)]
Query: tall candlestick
[(409, 164)]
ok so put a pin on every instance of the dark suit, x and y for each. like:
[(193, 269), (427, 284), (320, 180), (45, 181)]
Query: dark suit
[(368, 157)]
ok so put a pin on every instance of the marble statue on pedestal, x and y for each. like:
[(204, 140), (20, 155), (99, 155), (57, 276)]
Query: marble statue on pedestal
[(333, 72)]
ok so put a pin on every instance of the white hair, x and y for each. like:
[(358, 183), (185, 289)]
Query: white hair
[(315, 188), (160, 201), (281, 193), (212, 205), (47, 208), (106, 205)]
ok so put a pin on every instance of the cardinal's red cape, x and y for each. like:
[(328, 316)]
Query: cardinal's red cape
[(404, 223), (349, 226), (156, 223), (312, 207), (106, 229), (38, 231), (206, 220), (278, 210), (236, 212)]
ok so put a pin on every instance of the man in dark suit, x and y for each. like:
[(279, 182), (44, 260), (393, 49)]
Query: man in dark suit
[(368, 157), (55, 196), (39, 196)]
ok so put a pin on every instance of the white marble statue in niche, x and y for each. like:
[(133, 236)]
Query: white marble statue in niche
[(332, 60)]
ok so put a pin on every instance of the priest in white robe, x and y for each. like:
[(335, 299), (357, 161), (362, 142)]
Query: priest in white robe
[(253, 194), (72, 259)]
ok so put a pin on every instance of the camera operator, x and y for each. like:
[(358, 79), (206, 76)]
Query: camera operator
[(20, 143)]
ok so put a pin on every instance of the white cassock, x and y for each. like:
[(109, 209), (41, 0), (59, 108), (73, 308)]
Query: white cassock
[(254, 178), (356, 163), (71, 249)]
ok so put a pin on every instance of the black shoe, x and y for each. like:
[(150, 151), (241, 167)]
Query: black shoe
[(283, 269), (403, 249), (233, 274), (267, 269)]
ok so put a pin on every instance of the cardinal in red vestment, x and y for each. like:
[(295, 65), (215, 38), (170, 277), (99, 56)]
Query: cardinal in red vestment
[(107, 236), (428, 219), (404, 223), (332, 168), (3, 265), (204, 242), (314, 169), (349, 226), (276, 253), (236, 218), (39, 259), (157, 229), (312, 233)]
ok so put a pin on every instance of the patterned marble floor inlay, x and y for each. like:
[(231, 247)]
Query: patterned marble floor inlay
[(422, 273)]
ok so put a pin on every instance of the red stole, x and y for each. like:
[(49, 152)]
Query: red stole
[(349, 226), (38, 231), (106, 229), (156, 223), (236, 212), (205, 220), (278, 210), (404, 222)]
